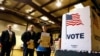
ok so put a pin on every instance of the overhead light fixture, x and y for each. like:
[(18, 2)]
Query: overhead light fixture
[(33, 13), (44, 18), (51, 22), (58, 3), (2, 8), (28, 10), (29, 17), (80, 5)]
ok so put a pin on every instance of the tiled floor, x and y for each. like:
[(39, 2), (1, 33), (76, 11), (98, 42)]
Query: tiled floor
[(20, 53)]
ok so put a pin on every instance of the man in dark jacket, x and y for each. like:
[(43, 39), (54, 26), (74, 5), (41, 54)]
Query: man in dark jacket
[(8, 41), (28, 41)]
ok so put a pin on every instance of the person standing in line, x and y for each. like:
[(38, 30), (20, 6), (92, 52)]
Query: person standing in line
[(7, 41), (28, 41), (44, 42)]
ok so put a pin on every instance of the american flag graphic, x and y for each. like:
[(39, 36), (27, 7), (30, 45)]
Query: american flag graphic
[(73, 19)]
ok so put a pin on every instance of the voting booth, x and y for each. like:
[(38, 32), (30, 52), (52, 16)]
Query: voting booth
[(76, 30), (77, 34)]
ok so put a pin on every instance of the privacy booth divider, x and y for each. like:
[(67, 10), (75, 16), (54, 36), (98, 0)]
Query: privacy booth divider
[(80, 34)]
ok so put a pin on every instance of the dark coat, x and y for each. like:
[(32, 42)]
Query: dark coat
[(26, 36), (5, 36)]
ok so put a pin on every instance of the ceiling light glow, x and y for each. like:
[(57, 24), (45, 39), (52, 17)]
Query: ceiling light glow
[(15, 27), (2, 8), (44, 18), (51, 22), (29, 17), (33, 13), (58, 3), (28, 10)]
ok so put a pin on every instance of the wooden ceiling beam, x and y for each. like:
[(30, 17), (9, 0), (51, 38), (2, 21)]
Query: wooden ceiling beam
[(96, 4), (11, 21), (47, 3), (21, 6), (29, 2), (44, 5), (22, 17), (16, 5)]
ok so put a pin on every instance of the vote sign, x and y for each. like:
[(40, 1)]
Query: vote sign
[(76, 30)]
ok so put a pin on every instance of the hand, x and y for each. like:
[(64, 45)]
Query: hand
[(39, 40), (52, 47), (28, 43), (0, 45)]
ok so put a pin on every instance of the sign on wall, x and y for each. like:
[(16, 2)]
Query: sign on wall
[(76, 30)]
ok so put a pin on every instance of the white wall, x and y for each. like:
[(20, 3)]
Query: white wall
[(19, 29)]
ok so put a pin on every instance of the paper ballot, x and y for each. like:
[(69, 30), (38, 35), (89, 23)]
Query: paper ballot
[(45, 40), (31, 44)]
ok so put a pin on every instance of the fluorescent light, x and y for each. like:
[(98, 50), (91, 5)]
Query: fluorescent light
[(2, 8), (58, 3), (44, 18), (79, 5), (51, 22), (28, 10), (29, 17), (33, 13)]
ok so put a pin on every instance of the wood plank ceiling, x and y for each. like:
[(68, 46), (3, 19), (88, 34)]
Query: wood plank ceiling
[(39, 8)]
